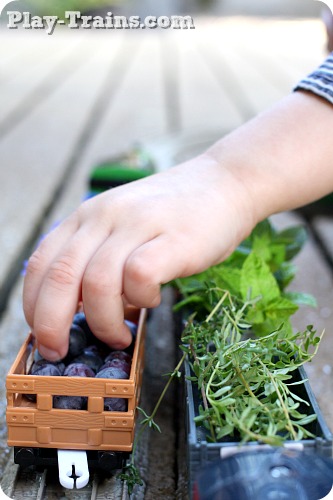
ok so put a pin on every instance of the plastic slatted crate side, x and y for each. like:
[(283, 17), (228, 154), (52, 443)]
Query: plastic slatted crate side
[(40, 425)]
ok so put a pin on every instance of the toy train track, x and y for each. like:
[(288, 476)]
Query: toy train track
[(44, 483)]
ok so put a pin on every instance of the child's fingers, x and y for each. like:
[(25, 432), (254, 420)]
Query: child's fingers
[(102, 291), (158, 261), (39, 262), (60, 291)]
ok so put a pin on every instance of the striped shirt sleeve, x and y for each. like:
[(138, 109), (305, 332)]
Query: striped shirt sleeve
[(320, 81)]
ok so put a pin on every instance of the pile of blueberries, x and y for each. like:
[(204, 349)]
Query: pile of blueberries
[(87, 357)]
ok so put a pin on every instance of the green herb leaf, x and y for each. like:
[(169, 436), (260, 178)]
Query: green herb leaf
[(257, 280), (302, 299)]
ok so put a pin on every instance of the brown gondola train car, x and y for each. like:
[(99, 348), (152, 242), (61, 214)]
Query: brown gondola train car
[(41, 434)]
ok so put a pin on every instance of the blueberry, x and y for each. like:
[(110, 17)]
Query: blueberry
[(115, 404), (112, 372), (37, 355), (73, 402), (93, 360), (77, 341), (119, 355), (80, 320), (46, 370), (37, 365), (70, 402), (31, 397), (132, 326), (91, 349), (78, 370), (117, 363)]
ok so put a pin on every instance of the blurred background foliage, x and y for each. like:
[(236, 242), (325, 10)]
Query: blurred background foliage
[(284, 8), (58, 7)]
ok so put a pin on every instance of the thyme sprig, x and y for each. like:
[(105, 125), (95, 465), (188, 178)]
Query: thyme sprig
[(246, 383)]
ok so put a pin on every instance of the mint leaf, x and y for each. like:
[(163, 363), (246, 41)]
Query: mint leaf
[(231, 279), (280, 307), (301, 299), (285, 274), (293, 238), (272, 253), (257, 280)]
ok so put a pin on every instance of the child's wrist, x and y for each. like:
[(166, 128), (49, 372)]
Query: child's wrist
[(237, 192)]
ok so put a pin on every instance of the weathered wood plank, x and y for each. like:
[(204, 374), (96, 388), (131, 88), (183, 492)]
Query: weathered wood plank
[(324, 229), (52, 138), (157, 452), (34, 75), (134, 113), (205, 104), (17, 50), (316, 277)]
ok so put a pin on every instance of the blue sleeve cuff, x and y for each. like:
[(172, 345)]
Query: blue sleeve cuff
[(320, 82)]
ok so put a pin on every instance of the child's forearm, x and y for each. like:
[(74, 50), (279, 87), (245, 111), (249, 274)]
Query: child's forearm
[(283, 157)]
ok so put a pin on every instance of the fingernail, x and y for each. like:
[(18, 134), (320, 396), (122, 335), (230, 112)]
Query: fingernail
[(49, 354)]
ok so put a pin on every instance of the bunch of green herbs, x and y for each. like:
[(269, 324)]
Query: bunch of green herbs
[(247, 385), (241, 346), (261, 269)]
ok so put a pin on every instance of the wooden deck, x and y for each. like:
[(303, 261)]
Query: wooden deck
[(77, 97)]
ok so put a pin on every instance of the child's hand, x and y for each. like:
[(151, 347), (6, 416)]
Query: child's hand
[(119, 247)]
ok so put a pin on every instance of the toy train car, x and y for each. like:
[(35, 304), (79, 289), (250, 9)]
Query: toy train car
[(102, 439), (41, 433)]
